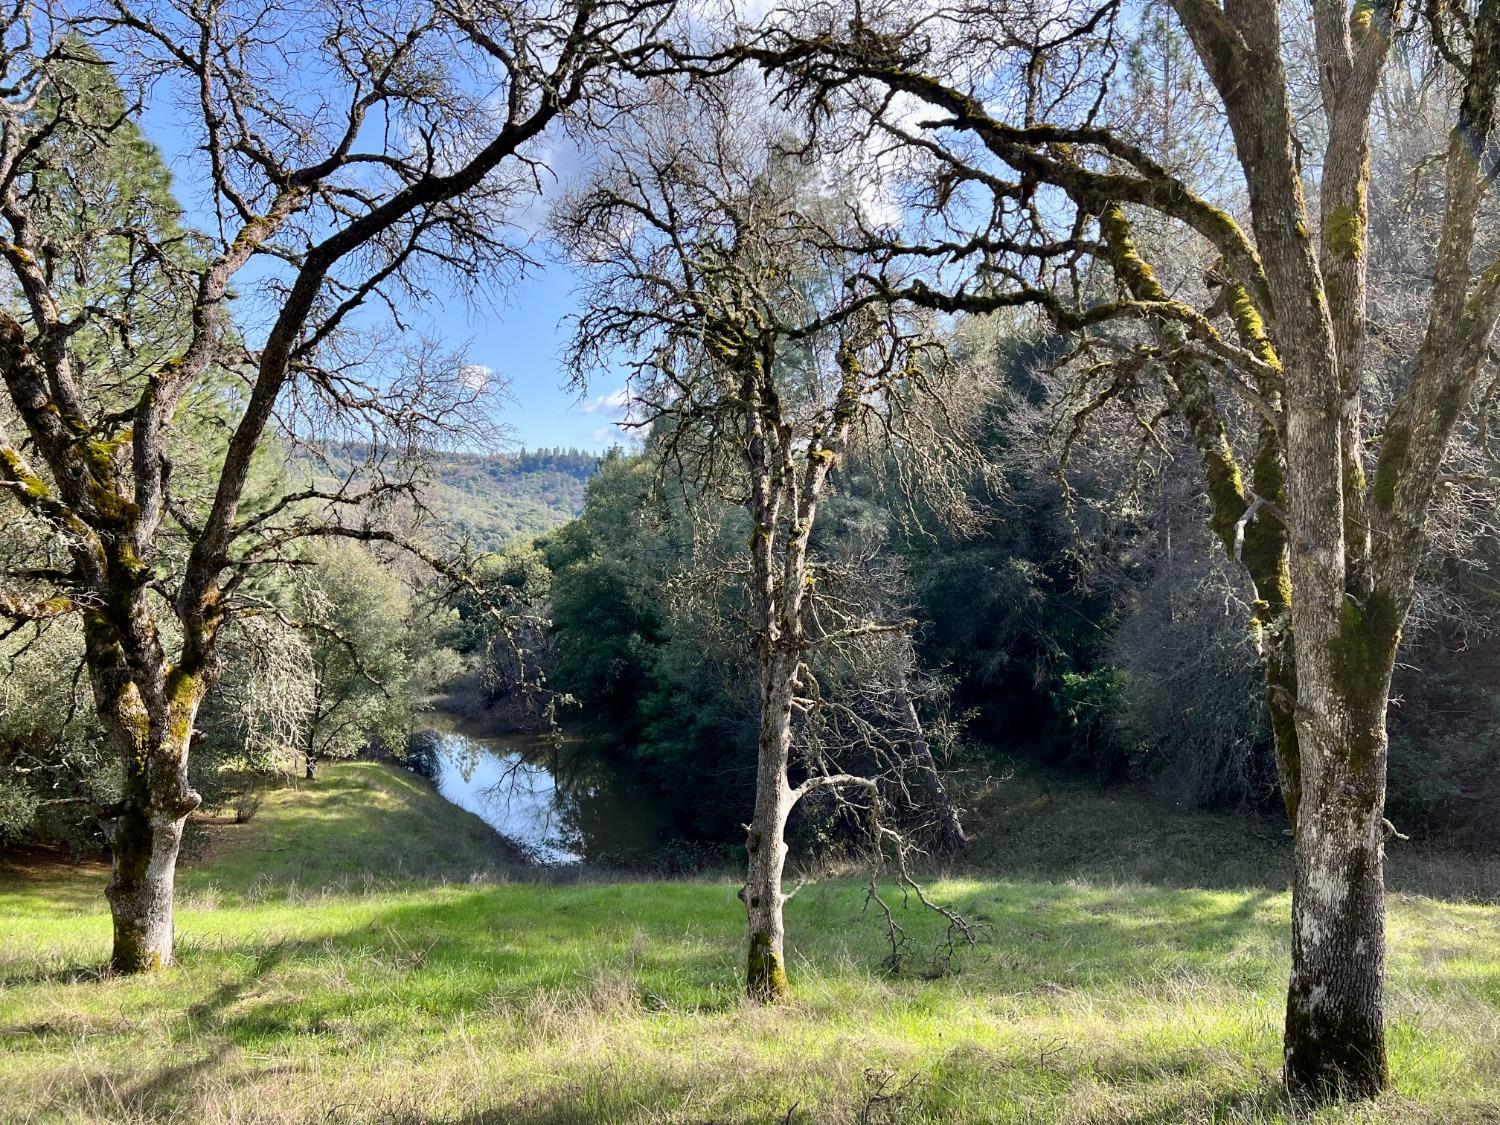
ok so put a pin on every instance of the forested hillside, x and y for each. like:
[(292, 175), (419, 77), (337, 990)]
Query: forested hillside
[(488, 501)]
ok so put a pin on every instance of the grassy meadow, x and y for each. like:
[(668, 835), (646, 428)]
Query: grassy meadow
[(364, 951)]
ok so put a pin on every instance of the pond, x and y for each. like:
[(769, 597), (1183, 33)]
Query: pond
[(557, 802)]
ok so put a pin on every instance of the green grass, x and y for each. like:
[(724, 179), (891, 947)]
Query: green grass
[(360, 825), (361, 951)]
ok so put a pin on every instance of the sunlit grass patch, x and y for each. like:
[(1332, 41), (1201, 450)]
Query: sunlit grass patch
[(335, 993)]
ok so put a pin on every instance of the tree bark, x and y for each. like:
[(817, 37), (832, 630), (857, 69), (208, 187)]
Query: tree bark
[(776, 588), (765, 844), (1335, 1038), (152, 730), (144, 831), (765, 976), (1344, 638), (144, 846)]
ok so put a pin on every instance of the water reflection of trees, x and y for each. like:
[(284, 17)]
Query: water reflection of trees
[(575, 801), (605, 814)]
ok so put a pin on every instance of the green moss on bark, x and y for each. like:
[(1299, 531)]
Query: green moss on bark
[(766, 979), (1251, 326), (1345, 232), (1363, 653), (1129, 265), (183, 693), (1388, 468), (31, 484), (1226, 492)]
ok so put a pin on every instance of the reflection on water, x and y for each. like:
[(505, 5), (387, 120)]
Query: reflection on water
[(560, 804)]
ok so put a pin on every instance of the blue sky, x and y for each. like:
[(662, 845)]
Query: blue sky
[(518, 333), (521, 335)]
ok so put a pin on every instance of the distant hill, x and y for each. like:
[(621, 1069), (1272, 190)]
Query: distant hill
[(494, 500), (497, 500)]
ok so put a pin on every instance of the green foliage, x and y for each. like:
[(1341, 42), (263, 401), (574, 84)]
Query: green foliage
[(335, 666), (102, 195), (493, 501), (1080, 631), (357, 618), (1022, 611), (658, 681), (607, 615), (516, 581), (1017, 612), (1087, 701), (51, 751)]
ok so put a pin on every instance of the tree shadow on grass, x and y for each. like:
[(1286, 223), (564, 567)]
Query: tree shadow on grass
[(66, 974), (397, 980), (649, 1100), (884, 1093), (493, 951), (1046, 937), (145, 1095), (101, 971), (1269, 1103)]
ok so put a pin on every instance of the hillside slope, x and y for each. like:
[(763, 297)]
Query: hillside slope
[(357, 954), (490, 500), (498, 500)]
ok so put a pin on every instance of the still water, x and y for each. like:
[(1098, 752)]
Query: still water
[(560, 804)]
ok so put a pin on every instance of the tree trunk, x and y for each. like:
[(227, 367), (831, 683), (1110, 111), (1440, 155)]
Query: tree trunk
[(311, 771), (1335, 1039), (766, 979), (140, 892), (144, 828), (1335, 1042)]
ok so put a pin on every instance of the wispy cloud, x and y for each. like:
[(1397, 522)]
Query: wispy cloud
[(615, 402), (475, 376), (615, 435)]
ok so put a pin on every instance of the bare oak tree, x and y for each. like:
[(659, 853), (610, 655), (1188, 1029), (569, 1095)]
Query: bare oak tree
[(1018, 153), (349, 153), (758, 360)]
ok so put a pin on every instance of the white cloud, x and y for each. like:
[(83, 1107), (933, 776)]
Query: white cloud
[(615, 402), (604, 436), (475, 376)]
